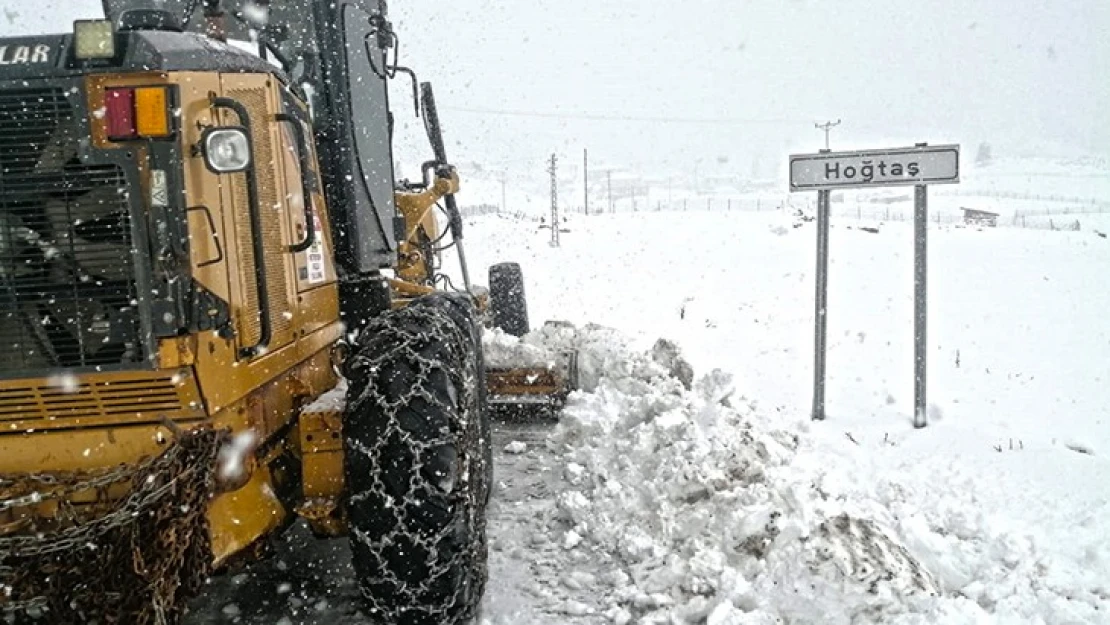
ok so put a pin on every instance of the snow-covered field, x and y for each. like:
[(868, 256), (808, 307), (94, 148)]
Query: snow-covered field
[(724, 504), (716, 500), (1027, 193)]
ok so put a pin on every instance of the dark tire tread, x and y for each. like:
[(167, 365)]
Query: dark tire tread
[(414, 422), (508, 304)]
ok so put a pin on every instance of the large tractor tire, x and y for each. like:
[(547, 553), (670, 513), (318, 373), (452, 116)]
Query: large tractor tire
[(417, 463), (506, 297)]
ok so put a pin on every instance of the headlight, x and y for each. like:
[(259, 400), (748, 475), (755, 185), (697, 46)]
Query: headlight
[(94, 39), (227, 150)]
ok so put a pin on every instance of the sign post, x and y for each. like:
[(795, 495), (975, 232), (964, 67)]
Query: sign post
[(920, 300), (824, 171), (821, 308)]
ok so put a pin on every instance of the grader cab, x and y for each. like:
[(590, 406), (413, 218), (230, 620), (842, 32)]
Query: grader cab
[(219, 311)]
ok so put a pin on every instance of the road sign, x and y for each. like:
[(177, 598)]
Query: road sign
[(919, 166), (934, 164)]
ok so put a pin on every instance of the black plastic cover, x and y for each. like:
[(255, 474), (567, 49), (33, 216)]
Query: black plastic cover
[(354, 133)]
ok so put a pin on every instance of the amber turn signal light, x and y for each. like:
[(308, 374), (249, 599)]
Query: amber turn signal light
[(137, 112)]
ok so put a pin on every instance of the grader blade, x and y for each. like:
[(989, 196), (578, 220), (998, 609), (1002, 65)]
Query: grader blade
[(531, 392)]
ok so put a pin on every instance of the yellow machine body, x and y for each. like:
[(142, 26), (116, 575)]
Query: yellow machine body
[(84, 422), (93, 420), (243, 347)]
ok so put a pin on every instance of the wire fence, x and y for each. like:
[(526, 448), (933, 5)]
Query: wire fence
[(1063, 221), (1077, 214), (1098, 205), (1065, 218), (481, 210)]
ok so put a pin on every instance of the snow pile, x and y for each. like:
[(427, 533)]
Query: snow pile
[(699, 511), (515, 447), (601, 352), (703, 514), (505, 351), (333, 400)]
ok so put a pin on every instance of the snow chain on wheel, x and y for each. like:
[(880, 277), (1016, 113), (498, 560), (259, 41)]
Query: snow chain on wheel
[(417, 469)]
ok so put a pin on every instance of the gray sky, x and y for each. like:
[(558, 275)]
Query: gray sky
[(1028, 76)]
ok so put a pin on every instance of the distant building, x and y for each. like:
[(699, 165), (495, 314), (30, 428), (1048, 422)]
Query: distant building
[(977, 217)]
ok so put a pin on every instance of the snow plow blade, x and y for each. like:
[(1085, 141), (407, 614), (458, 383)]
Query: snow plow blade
[(531, 393)]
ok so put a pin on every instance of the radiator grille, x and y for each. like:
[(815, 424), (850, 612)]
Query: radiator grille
[(255, 102), (67, 286), (69, 401)]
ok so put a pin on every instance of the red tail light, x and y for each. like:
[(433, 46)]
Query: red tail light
[(119, 107)]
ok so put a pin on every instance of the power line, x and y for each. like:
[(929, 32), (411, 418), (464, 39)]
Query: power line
[(621, 118)]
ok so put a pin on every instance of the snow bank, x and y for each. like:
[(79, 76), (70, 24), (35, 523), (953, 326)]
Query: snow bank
[(690, 507), (502, 350), (601, 352)]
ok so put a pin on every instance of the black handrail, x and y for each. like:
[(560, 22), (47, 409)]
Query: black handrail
[(306, 183), (259, 247), (439, 149), (215, 235)]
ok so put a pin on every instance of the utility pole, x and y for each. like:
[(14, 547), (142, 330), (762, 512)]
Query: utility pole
[(585, 183), (554, 203), (503, 176), (609, 180), (827, 126)]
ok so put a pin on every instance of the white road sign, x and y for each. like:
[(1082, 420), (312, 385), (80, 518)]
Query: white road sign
[(932, 164)]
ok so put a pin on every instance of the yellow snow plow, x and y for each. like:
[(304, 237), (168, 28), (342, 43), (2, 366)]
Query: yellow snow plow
[(198, 241)]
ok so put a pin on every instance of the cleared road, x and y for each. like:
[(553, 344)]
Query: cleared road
[(310, 581)]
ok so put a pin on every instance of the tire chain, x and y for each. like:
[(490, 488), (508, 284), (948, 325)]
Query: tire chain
[(460, 365), (136, 564)]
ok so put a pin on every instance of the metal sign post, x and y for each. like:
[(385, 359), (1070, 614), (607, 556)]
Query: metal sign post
[(918, 166), (920, 291), (821, 310)]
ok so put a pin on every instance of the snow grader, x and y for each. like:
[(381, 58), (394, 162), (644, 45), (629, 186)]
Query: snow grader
[(222, 313)]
